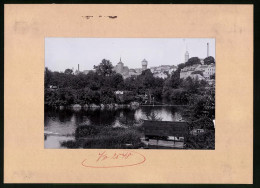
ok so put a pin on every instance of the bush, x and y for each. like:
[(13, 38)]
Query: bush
[(70, 144), (105, 137), (115, 138), (107, 96), (179, 96), (203, 141), (85, 131)]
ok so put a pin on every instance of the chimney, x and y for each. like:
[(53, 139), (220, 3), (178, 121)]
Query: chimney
[(78, 67), (207, 49)]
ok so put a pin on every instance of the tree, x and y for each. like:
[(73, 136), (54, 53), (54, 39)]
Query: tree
[(47, 77), (115, 81), (130, 84), (191, 85), (176, 74), (147, 78), (192, 61), (180, 66), (209, 60), (212, 76), (179, 96), (68, 71), (107, 96), (105, 68)]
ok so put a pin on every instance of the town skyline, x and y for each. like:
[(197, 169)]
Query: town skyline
[(71, 52)]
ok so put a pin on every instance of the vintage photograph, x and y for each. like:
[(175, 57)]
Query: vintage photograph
[(129, 93)]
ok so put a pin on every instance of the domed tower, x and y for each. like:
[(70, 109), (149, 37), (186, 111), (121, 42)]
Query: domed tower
[(186, 56), (144, 64)]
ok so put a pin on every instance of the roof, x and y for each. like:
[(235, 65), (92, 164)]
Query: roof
[(132, 70), (203, 66), (165, 128)]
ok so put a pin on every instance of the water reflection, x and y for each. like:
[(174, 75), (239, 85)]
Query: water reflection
[(63, 123)]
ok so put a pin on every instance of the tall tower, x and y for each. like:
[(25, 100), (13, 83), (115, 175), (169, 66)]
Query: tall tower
[(144, 64), (207, 49), (186, 56), (120, 66)]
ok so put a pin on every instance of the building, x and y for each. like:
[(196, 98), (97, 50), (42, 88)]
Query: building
[(163, 71), (133, 72), (186, 56), (144, 64), (119, 92), (126, 72), (121, 69), (165, 133), (160, 75), (138, 71), (152, 69), (186, 71), (77, 71), (173, 69), (207, 71), (197, 76), (202, 61), (88, 71)]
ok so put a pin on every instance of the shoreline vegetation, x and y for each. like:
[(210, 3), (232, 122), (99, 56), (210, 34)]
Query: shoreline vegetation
[(132, 105), (105, 89)]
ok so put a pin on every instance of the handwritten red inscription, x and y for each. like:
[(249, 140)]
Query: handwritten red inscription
[(113, 159)]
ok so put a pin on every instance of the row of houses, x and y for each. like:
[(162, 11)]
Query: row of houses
[(163, 71), (198, 71)]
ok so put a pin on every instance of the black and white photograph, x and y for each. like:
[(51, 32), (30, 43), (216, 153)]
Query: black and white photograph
[(129, 93)]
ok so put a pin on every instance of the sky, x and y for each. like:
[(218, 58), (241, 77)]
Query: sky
[(63, 53)]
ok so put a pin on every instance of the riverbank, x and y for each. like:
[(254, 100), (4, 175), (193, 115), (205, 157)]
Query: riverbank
[(133, 105), (114, 125)]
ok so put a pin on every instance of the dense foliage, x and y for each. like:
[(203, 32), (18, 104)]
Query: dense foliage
[(209, 60), (105, 137), (98, 87)]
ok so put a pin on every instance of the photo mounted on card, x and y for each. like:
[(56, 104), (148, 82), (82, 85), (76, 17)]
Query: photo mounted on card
[(137, 91), (151, 98)]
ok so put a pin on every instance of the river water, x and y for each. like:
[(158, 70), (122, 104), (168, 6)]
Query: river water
[(60, 125)]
